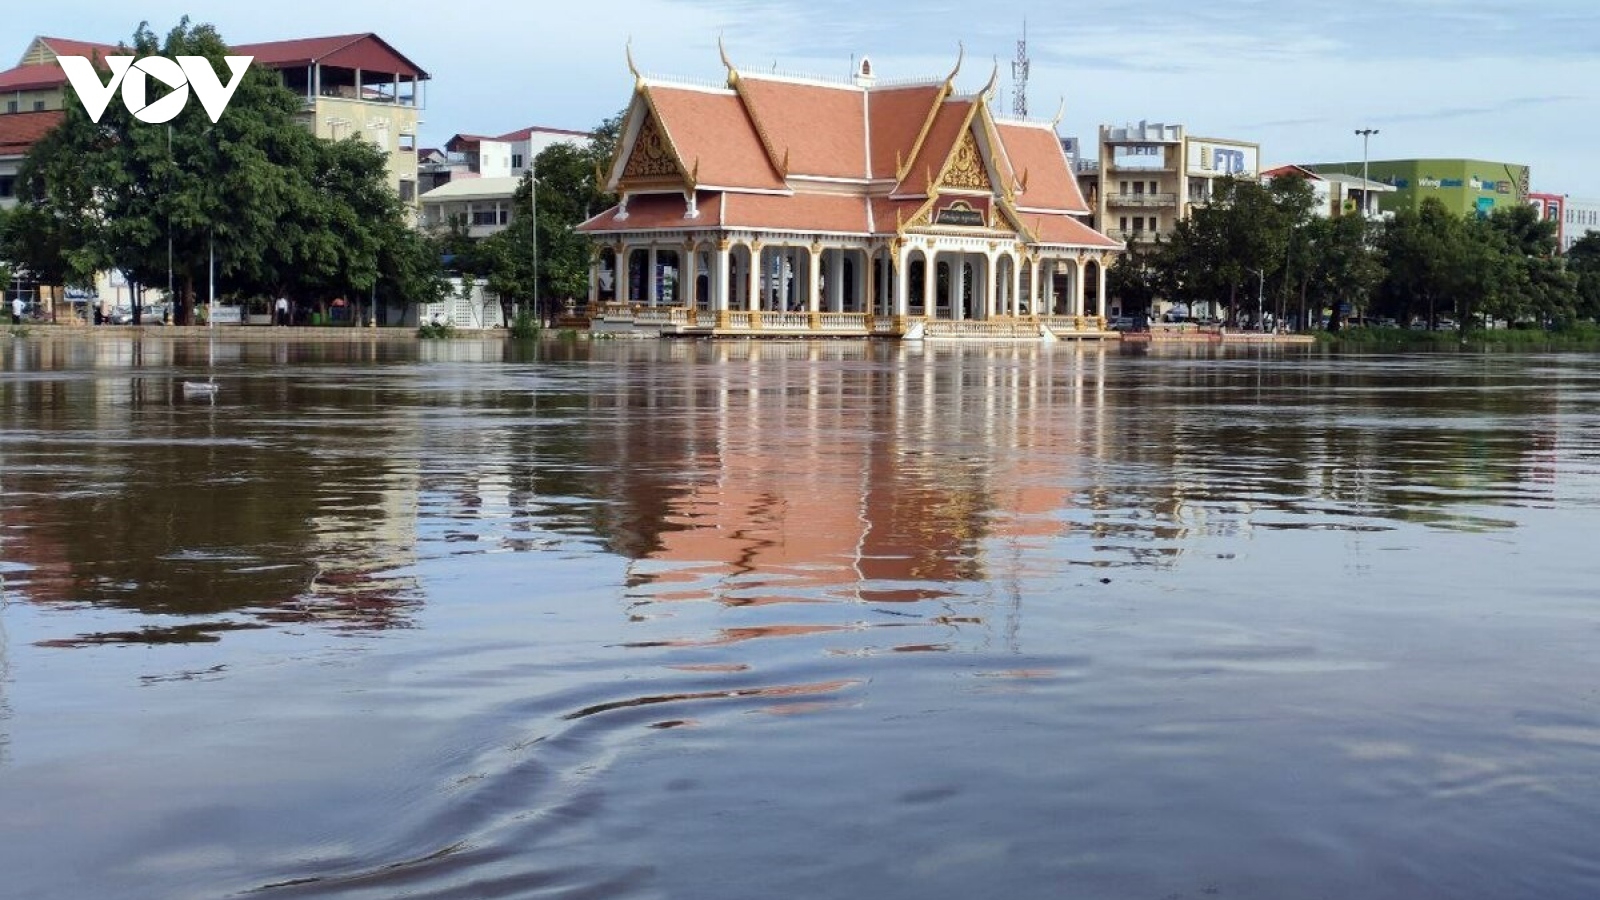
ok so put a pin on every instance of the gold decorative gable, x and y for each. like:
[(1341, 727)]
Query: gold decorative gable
[(965, 170), (651, 157)]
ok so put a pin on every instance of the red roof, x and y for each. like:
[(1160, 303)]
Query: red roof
[(33, 78), (652, 212), (1035, 154), (70, 47), (936, 147), (349, 51), (522, 134), (20, 131), (1058, 229), (712, 134), (896, 117), (821, 130)]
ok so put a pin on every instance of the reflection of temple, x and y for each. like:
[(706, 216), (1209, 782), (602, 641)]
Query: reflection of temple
[(803, 206), (815, 471)]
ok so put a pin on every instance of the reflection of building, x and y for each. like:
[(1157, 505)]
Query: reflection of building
[(1336, 194), (1463, 185), (805, 205), (1152, 175), (353, 85)]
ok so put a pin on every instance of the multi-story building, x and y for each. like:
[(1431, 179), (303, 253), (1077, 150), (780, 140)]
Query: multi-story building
[(1334, 194), (473, 179), (353, 84), (1153, 175), (1463, 185), (1551, 208), (1582, 219), (482, 206)]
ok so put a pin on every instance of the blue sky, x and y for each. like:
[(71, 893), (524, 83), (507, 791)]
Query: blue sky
[(1505, 81)]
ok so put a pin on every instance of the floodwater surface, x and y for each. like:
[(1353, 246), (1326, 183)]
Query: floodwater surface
[(837, 620)]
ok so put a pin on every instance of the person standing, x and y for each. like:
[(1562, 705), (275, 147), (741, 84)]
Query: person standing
[(16, 310), (283, 310)]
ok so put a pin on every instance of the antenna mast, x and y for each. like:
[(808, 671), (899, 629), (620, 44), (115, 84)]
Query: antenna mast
[(1019, 76)]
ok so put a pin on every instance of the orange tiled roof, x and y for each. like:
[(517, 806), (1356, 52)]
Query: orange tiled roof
[(20, 131), (653, 212), (1063, 229), (936, 147), (827, 213), (33, 78), (820, 129), (896, 116), (710, 129), (1035, 152)]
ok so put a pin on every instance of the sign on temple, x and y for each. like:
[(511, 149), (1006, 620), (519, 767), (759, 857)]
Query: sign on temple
[(800, 205)]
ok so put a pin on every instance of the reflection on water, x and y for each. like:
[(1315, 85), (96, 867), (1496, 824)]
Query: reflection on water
[(494, 569)]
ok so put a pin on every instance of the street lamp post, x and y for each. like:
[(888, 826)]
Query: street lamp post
[(1366, 195)]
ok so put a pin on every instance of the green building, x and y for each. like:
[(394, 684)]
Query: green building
[(1464, 185)]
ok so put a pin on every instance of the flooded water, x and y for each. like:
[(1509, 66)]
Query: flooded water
[(686, 620)]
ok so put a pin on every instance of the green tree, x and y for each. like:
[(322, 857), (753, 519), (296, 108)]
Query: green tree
[(1583, 262)]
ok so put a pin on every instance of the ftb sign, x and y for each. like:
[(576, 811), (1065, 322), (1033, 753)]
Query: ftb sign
[(133, 76)]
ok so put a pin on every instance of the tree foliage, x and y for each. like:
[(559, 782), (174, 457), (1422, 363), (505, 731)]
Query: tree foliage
[(1425, 264)]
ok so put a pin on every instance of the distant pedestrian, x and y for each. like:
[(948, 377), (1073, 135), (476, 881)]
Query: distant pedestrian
[(282, 309), (16, 310)]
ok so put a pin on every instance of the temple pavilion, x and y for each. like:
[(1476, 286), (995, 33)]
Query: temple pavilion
[(792, 206)]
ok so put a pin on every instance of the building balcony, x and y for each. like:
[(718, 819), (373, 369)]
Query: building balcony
[(1130, 236), (1141, 199), (1148, 169)]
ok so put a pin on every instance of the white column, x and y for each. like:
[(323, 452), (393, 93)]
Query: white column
[(930, 282), (902, 281), (1077, 287), (688, 277), (752, 298), (1016, 284), (719, 283), (1100, 285), (813, 282), (1033, 287)]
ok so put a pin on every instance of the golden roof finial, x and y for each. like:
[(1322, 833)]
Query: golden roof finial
[(1060, 111), (994, 79), (733, 74), (627, 50), (961, 54), (786, 162)]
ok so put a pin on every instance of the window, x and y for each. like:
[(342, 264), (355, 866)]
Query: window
[(8, 186), (1152, 187), (38, 106), (408, 142), (516, 160), (1124, 223), (1138, 223), (485, 217), (11, 106), (1138, 188), (408, 190)]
